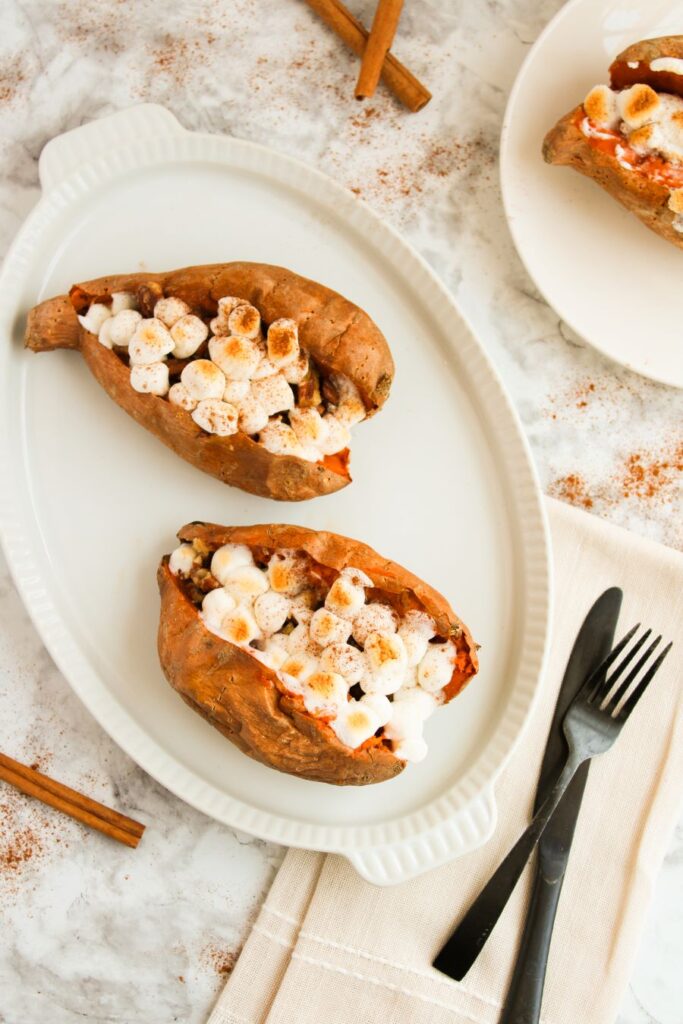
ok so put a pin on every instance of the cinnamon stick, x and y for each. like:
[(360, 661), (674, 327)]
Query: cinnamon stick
[(404, 85), (379, 42), (76, 805)]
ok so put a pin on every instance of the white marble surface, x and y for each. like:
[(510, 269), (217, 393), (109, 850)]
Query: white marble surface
[(90, 931)]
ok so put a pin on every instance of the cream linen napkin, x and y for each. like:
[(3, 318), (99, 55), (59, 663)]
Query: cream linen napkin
[(329, 948)]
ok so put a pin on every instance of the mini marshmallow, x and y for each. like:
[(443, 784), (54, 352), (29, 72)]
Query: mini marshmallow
[(665, 134), (274, 394), (299, 639), (179, 395), (299, 666), (303, 606), (416, 630), (676, 200), (271, 611), (264, 369), (355, 723), (386, 659), (104, 336), (122, 326), (219, 327), (95, 317), (380, 705), (216, 417), (324, 692), (374, 618), (246, 583), (413, 749), (150, 343), (419, 622), (309, 453), (252, 416), (280, 439), (436, 668), (283, 342), (203, 379), (183, 559), (229, 557), (356, 576), (239, 627), (601, 107), (421, 703), (327, 628), (288, 572), (151, 379), (237, 356), (272, 653), (188, 333), (227, 304), (309, 426), (216, 605), (344, 599), (245, 319), (236, 391), (338, 436), (351, 408), (637, 105), (170, 310), (404, 723), (121, 301), (297, 371), (345, 660)]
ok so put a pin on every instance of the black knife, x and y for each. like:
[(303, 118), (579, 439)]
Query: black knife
[(593, 643)]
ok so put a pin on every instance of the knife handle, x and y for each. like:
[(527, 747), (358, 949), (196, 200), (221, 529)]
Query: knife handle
[(523, 1003)]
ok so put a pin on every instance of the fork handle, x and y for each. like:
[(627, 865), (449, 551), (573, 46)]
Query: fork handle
[(467, 941)]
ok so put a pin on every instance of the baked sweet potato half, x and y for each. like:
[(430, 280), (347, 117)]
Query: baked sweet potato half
[(308, 650), (248, 371), (628, 137)]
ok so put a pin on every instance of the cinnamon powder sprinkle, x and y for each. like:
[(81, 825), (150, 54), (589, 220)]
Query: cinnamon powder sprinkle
[(221, 960), (571, 488)]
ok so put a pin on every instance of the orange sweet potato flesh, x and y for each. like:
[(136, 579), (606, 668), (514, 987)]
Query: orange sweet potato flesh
[(340, 337), (246, 701), (640, 194)]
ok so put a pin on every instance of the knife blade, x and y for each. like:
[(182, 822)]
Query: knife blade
[(592, 644)]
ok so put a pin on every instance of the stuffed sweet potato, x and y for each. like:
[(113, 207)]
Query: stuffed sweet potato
[(308, 650), (250, 372), (628, 137)]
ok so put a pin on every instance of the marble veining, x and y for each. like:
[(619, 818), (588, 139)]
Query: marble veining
[(92, 932)]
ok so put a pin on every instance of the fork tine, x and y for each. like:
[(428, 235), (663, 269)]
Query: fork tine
[(643, 685), (596, 677), (606, 685), (633, 674)]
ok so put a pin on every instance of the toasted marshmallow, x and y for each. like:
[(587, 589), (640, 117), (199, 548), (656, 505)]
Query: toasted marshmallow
[(236, 391), (436, 668), (264, 369), (338, 436), (637, 105), (104, 335), (188, 334), (216, 417), (179, 395), (601, 107), (252, 416), (356, 576), (219, 327), (404, 723), (345, 660), (351, 408), (92, 321), (271, 611), (674, 65), (151, 379), (355, 723), (419, 622), (237, 356), (122, 326), (665, 134), (421, 703), (288, 572), (296, 371), (676, 200), (283, 342), (413, 749), (386, 659), (324, 693), (121, 301), (379, 704), (215, 606), (299, 666), (170, 310), (245, 319), (227, 304), (239, 627), (416, 630), (274, 394), (303, 605), (299, 639), (246, 583), (203, 379), (344, 599), (272, 652), (150, 343), (229, 557), (327, 628), (183, 559), (280, 439), (309, 426), (374, 618)]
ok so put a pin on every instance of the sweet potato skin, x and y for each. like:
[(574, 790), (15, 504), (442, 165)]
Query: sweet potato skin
[(339, 335), (246, 701)]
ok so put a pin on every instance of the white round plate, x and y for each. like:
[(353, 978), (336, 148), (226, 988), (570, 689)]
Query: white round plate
[(443, 482), (611, 279)]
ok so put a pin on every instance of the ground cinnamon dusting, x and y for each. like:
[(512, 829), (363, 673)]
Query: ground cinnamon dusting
[(571, 488), (221, 960)]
